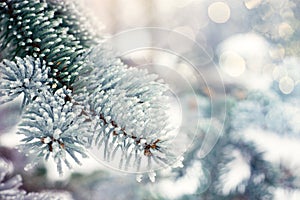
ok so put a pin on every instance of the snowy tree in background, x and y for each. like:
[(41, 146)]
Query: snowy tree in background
[(10, 186)]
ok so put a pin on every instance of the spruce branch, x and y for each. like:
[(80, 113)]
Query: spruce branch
[(53, 126), (130, 105), (76, 21), (27, 76), (78, 96), (39, 29)]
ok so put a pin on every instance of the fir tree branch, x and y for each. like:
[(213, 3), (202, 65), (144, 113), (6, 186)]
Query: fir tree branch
[(130, 103), (53, 126), (125, 107), (38, 29), (27, 76)]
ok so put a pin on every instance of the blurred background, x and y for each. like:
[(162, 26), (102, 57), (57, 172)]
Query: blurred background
[(233, 67)]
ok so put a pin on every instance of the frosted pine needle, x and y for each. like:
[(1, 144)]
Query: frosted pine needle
[(54, 126), (26, 76), (129, 107)]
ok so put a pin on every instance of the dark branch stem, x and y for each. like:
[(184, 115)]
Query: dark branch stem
[(147, 147)]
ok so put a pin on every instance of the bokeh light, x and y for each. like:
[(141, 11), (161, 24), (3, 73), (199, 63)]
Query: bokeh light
[(250, 4), (285, 30), (232, 63), (219, 12), (286, 85)]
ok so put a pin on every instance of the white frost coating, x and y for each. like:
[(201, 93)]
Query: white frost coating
[(178, 163), (56, 133), (9, 188), (139, 178), (25, 76), (47, 140), (129, 102), (266, 111), (185, 185), (152, 176), (238, 170)]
